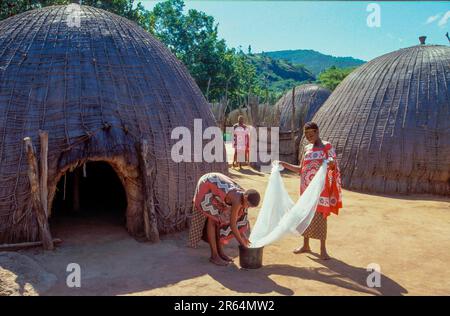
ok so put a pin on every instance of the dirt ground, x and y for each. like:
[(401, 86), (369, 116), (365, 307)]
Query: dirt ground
[(408, 237)]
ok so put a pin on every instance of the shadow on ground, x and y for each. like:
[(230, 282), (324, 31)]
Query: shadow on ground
[(112, 263)]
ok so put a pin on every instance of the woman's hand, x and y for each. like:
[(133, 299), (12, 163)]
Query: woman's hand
[(332, 164), (288, 166), (245, 242)]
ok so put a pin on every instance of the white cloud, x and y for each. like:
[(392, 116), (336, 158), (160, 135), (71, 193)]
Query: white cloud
[(444, 20), (433, 18)]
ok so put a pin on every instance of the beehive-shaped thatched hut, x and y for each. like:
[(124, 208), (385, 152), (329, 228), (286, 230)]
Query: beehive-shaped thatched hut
[(104, 90), (308, 98), (390, 122)]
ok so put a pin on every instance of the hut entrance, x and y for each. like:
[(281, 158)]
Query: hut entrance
[(92, 193)]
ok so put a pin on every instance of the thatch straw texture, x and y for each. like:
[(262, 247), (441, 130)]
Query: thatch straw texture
[(308, 98), (98, 89), (390, 122)]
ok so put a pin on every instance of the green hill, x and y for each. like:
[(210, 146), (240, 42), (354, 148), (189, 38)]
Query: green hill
[(279, 75), (314, 61)]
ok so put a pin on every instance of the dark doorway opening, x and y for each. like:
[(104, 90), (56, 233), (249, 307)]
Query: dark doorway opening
[(90, 194)]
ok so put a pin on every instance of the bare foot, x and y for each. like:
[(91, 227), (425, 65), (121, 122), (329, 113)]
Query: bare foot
[(225, 257), (324, 256), (302, 250), (218, 261)]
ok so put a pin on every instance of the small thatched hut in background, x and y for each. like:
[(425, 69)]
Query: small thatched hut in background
[(390, 122), (104, 90), (255, 114), (307, 99)]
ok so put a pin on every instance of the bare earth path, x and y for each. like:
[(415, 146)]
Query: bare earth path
[(408, 237)]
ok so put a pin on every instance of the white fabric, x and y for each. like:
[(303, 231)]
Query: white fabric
[(279, 215)]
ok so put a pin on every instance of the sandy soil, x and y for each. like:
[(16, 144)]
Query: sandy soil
[(407, 236)]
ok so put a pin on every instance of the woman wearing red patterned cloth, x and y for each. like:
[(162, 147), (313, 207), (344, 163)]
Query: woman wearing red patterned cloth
[(220, 213), (330, 200)]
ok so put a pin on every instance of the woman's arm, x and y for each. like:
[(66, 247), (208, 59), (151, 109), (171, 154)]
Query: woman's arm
[(294, 168), (235, 207)]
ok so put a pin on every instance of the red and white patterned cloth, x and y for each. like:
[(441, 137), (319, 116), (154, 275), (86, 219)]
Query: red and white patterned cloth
[(209, 202), (241, 137), (330, 200)]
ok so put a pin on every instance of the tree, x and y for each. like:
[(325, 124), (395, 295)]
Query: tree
[(333, 76), (192, 37)]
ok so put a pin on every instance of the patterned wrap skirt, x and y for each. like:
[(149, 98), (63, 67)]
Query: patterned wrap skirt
[(318, 227), (209, 203)]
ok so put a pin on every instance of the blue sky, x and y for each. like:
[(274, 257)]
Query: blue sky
[(336, 28)]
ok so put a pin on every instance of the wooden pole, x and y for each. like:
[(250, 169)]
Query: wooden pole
[(43, 137), (207, 89), (224, 117), (293, 113), (24, 245), (33, 175), (150, 219), (76, 190)]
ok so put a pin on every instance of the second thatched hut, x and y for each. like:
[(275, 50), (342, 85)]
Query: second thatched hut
[(389, 121), (308, 98)]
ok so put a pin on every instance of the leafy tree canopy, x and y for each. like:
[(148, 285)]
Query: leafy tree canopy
[(333, 76)]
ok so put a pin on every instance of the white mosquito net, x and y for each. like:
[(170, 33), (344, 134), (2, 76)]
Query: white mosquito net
[(279, 215)]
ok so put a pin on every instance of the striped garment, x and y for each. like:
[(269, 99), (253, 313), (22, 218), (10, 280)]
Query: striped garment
[(209, 202)]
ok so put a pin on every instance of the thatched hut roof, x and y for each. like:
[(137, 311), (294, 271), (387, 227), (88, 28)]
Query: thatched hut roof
[(389, 121), (98, 88), (308, 98)]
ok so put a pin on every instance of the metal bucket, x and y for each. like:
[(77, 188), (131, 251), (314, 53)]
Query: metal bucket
[(250, 258)]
